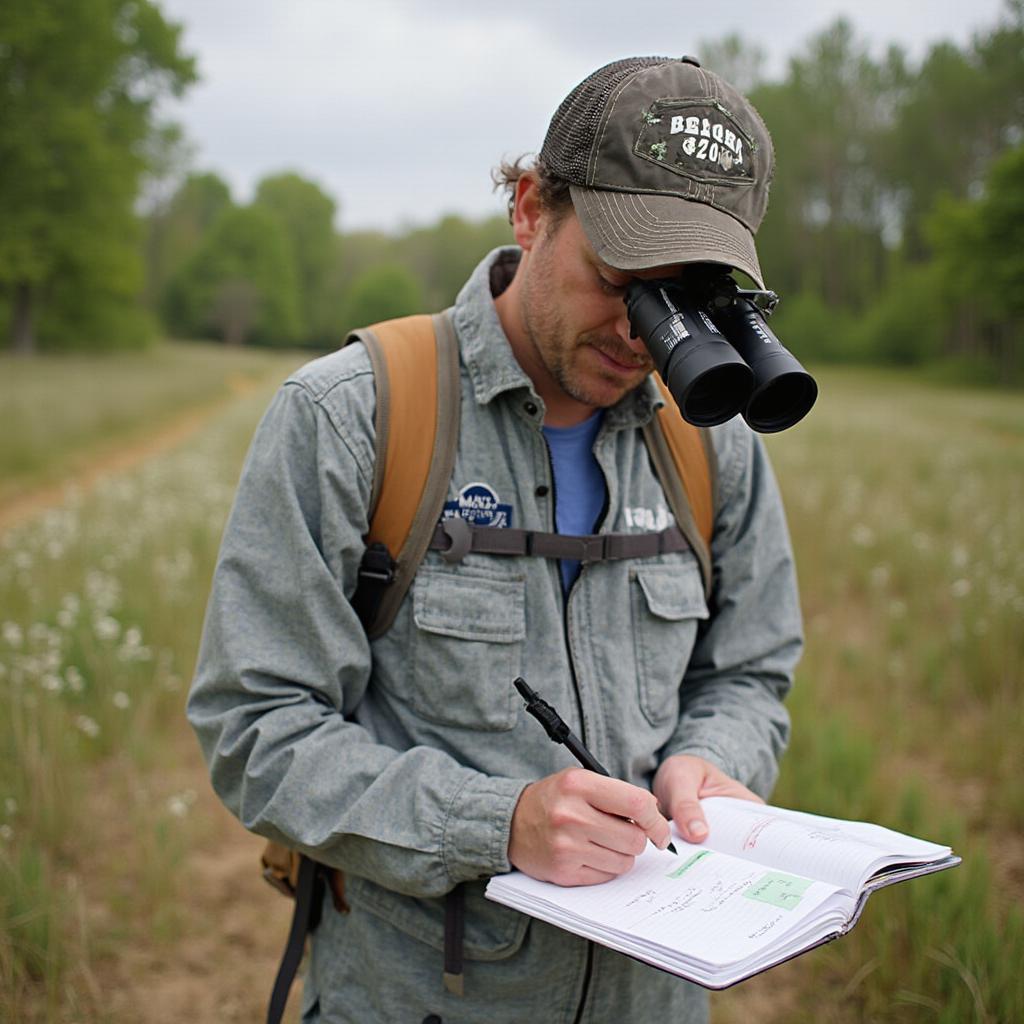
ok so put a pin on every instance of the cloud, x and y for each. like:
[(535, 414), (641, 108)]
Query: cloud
[(399, 109)]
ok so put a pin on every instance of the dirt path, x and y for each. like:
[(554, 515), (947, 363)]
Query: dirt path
[(232, 929), (231, 926), (174, 432)]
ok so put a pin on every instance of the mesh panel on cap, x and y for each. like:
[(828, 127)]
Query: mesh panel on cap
[(566, 148)]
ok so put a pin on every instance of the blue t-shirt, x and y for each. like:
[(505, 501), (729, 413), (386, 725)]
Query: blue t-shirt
[(579, 483)]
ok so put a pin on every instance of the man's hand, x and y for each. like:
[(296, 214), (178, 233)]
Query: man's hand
[(578, 828), (680, 783)]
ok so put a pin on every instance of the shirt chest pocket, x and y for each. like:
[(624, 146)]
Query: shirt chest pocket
[(467, 647), (667, 603)]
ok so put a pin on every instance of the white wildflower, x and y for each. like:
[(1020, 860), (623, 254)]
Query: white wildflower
[(862, 535), (73, 677), (959, 556), (23, 560), (10, 806), (880, 576), (87, 725), (897, 608), (65, 618), (52, 683), (961, 587), (106, 627), (6, 833), (12, 634), (180, 803), (121, 700)]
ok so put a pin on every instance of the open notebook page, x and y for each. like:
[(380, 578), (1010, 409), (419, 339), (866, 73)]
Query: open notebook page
[(845, 853), (707, 907)]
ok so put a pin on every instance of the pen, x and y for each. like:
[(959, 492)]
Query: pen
[(559, 732)]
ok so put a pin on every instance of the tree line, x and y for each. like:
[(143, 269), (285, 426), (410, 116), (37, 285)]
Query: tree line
[(895, 230)]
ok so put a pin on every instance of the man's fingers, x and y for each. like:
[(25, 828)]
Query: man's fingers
[(627, 801), (728, 787), (689, 819), (605, 861)]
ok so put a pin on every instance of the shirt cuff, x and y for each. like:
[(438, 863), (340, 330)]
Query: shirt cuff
[(477, 827)]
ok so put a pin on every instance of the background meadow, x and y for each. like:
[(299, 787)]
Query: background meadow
[(173, 169), (905, 502)]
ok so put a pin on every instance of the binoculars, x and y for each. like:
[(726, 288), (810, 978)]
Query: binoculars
[(712, 346)]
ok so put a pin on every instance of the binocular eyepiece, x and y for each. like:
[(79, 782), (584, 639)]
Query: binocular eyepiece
[(712, 346)]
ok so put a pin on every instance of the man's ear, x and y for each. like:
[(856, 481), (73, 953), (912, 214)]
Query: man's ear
[(528, 214)]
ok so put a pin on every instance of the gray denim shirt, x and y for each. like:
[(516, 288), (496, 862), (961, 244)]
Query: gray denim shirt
[(401, 761)]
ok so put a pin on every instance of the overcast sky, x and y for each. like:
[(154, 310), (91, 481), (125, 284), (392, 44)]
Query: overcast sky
[(399, 109)]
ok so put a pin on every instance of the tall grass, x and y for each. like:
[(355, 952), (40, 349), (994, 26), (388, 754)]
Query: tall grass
[(101, 602), (907, 511), (906, 504), (55, 410)]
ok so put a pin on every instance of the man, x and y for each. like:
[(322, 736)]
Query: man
[(409, 763)]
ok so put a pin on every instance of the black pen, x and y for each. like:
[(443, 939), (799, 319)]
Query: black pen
[(559, 732)]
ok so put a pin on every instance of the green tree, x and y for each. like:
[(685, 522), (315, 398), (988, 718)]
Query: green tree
[(736, 60), (176, 231), (954, 117), (240, 285), (78, 87), (444, 254), (979, 249), (306, 214), (381, 293), (824, 227)]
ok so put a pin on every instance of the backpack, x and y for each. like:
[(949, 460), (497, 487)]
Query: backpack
[(416, 442)]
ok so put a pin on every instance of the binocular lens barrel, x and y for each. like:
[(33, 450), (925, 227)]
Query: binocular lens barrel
[(703, 372), (783, 391), (717, 355)]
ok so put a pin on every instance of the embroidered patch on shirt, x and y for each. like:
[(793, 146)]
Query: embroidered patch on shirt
[(479, 505)]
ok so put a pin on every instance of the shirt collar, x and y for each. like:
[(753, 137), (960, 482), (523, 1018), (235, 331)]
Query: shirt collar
[(492, 366)]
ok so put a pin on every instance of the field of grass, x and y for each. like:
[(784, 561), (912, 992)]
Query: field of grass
[(56, 411), (101, 603), (906, 503)]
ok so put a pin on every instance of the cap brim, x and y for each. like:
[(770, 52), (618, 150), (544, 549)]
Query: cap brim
[(638, 231)]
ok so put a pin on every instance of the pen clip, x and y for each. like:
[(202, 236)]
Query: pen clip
[(556, 729)]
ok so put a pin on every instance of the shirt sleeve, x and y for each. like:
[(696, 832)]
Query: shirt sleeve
[(284, 663), (732, 711)]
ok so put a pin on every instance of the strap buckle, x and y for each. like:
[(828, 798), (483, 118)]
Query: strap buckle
[(377, 564), (457, 530), (584, 549)]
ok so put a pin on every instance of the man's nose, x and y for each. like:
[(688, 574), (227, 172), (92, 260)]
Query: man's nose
[(623, 329)]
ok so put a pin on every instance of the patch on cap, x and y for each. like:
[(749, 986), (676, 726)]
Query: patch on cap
[(698, 140)]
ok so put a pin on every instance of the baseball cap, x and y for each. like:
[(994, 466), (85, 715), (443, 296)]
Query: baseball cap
[(667, 163)]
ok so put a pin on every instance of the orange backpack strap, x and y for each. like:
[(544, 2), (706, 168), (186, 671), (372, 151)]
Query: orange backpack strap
[(685, 462), (415, 359)]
